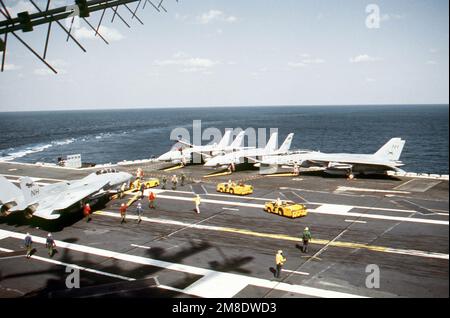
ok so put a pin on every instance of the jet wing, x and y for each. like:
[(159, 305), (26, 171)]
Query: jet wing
[(65, 199)]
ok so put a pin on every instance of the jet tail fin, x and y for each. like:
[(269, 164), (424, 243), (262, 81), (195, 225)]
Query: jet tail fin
[(238, 141), (29, 188), (9, 192), (392, 149), (286, 144), (225, 141), (272, 143)]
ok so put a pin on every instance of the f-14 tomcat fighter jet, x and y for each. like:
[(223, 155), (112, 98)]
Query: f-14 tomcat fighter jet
[(252, 154), (385, 159), (49, 201)]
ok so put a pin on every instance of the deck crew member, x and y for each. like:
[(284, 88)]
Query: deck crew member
[(142, 189), (197, 202), (50, 244), (296, 170), (183, 179), (174, 182), (306, 237), (164, 181), (87, 212), (151, 200), (123, 213), (28, 244), (278, 203), (139, 211), (279, 261)]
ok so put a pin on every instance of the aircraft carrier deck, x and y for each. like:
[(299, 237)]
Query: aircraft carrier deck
[(228, 250)]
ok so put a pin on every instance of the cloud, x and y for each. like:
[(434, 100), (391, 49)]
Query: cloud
[(109, 34), (431, 62), (364, 58), (12, 67), (433, 50), (59, 65), (305, 61), (214, 16), (23, 5), (180, 17), (296, 64), (188, 64)]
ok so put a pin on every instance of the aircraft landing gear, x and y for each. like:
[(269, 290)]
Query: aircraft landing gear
[(350, 175)]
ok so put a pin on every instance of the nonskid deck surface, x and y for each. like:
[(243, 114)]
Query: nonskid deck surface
[(228, 250)]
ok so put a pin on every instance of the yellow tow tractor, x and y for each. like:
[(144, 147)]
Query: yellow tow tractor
[(286, 208), (233, 188), (150, 183)]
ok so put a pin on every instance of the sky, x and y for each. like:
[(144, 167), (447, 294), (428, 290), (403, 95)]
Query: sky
[(238, 53)]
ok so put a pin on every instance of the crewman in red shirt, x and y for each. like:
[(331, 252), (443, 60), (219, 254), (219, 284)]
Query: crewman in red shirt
[(87, 212), (123, 212), (151, 200)]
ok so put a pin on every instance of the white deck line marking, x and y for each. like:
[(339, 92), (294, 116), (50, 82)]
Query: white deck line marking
[(86, 269), (329, 209), (11, 257), (404, 184), (343, 188), (383, 217), (218, 228), (335, 208), (141, 246), (210, 276), (3, 236), (273, 199), (355, 221), (295, 272), (230, 209)]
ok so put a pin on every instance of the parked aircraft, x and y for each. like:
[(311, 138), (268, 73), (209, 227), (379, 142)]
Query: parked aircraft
[(252, 154), (185, 151), (49, 201), (385, 159)]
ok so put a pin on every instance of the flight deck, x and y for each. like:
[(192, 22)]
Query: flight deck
[(399, 224)]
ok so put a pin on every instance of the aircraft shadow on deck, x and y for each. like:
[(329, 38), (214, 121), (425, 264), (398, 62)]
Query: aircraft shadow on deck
[(96, 285)]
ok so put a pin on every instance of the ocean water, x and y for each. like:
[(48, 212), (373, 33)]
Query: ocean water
[(116, 135)]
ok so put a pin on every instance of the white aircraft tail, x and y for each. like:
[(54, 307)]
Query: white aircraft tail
[(9, 192), (272, 143), (392, 149), (238, 141), (29, 189), (225, 141), (286, 144)]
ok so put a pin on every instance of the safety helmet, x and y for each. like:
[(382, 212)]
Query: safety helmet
[(28, 233), (49, 234), (306, 228), (280, 252), (123, 204), (87, 204)]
